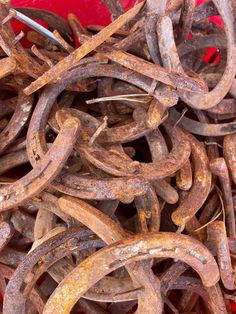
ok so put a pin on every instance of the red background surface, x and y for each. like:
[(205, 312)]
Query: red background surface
[(89, 12)]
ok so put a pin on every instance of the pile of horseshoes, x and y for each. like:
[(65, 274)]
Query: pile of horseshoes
[(118, 161)]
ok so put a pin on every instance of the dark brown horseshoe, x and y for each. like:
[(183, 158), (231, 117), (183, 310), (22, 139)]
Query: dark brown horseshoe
[(45, 170), (19, 285)]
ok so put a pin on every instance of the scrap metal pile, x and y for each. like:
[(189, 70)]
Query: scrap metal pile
[(118, 161)]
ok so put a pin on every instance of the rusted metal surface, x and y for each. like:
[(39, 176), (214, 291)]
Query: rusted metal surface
[(18, 121), (129, 143), (125, 251), (219, 168), (217, 234), (53, 20), (83, 50), (35, 297)]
